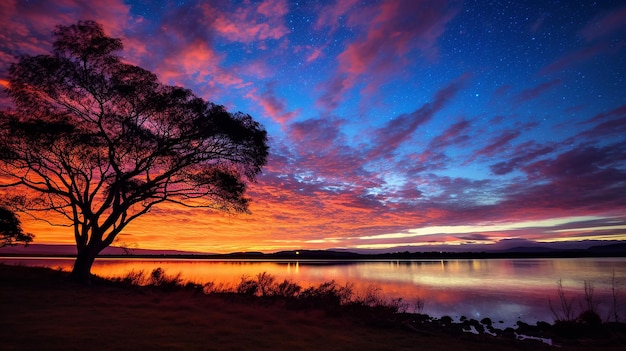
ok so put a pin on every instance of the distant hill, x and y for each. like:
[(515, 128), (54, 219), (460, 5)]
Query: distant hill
[(39, 249), (70, 250), (613, 249), (533, 249), (318, 254)]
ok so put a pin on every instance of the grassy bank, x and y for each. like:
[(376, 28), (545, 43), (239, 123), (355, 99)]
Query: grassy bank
[(41, 310)]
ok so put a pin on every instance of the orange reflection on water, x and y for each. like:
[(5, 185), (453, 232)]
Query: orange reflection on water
[(506, 289)]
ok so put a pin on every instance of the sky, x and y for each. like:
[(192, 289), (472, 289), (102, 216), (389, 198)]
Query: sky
[(413, 125)]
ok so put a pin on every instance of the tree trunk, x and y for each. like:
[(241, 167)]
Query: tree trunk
[(81, 272)]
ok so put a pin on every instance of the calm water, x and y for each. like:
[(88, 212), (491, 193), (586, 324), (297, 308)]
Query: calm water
[(505, 290)]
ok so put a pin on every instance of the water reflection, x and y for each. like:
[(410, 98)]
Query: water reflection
[(505, 290)]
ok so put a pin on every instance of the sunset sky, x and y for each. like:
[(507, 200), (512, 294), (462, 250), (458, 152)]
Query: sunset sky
[(393, 124)]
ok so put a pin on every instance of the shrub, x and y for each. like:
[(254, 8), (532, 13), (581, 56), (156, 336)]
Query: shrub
[(160, 279), (194, 286), (208, 288), (372, 297), (614, 303), (418, 307), (247, 286), (398, 305), (265, 284), (136, 278), (288, 289), (446, 320), (326, 295), (566, 312), (590, 317)]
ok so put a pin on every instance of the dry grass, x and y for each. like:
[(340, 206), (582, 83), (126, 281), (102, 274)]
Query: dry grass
[(40, 310)]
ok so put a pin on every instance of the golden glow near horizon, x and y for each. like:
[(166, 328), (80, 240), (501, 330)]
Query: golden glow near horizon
[(221, 233)]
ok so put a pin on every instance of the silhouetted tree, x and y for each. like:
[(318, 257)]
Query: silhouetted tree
[(11, 232), (101, 141)]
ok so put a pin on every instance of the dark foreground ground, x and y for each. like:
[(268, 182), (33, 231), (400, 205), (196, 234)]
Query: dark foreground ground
[(41, 310)]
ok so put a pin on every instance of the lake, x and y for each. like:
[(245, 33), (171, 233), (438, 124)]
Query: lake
[(505, 290)]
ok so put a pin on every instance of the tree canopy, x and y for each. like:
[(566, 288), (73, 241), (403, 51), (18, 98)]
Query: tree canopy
[(101, 141), (11, 232)]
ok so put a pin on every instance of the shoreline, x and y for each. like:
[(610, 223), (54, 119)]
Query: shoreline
[(520, 298), (611, 248), (29, 291), (339, 256)]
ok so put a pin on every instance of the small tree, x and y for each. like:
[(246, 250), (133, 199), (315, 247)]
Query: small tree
[(11, 229), (101, 142)]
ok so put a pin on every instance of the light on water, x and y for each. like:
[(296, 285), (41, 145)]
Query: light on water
[(505, 290)]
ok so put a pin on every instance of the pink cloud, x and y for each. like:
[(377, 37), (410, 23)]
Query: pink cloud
[(455, 134), (196, 63), (575, 58), (399, 27), (329, 15), (273, 106), (582, 178), (607, 124), (524, 154), (317, 134), (608, 128), (497, 144), (311, 52), (258, 69), (395, 29), (333, 93), (250, 23), (535, 92), (27, 26), (197, 58), (616, 112), (314, 55)]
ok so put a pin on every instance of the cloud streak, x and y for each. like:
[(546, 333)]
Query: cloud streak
[(390, 31)]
